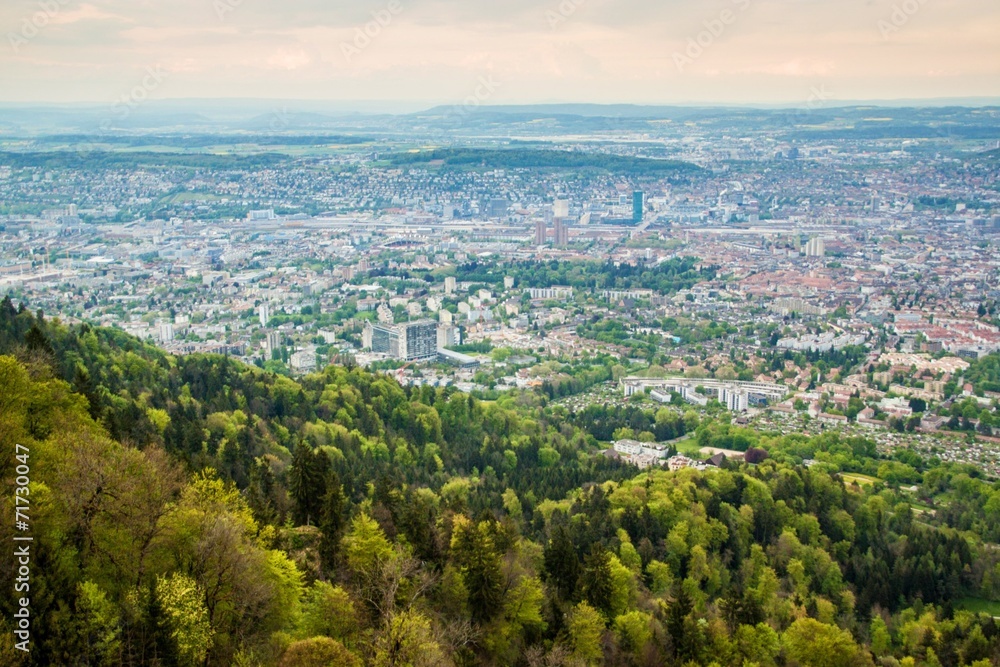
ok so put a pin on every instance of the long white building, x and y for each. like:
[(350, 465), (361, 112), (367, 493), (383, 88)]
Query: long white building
[(735, 394)]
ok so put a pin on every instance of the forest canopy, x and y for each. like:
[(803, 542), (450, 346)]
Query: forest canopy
[(195, 510)]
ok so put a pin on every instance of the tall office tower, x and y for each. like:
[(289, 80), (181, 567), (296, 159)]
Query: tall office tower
[(638, 204), (562, 233), (265, 314), (540, 232), (560, 208)]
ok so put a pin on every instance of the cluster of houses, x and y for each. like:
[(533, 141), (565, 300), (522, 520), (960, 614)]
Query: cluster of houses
[(645, 455)]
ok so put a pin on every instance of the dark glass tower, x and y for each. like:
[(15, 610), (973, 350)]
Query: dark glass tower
[(638, 201)]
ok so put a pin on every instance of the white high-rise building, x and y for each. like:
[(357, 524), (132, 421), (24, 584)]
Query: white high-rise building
[(273, 343), (735, 400), (560, 208), (448, 336), (450, 284), (265, 314), (166, 332), (304, 360), (816, 248)]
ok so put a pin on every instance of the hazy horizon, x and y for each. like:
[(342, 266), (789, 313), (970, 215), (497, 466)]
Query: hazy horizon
[(403, 107)]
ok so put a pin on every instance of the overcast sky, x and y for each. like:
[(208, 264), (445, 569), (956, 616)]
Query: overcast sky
[(506, 51)]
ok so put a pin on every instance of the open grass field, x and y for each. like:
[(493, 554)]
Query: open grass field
[(688, 447), (980, 606), (861, 480)]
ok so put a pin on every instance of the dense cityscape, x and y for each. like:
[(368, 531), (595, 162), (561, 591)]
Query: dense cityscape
[(528, 334), (827, 268)]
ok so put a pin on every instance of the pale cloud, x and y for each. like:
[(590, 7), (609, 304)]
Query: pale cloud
[(86, 12), (288, 59), (601, 50)]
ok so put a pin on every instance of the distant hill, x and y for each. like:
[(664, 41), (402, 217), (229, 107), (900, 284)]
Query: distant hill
[(893, 119), (546, 159), (133, 160)]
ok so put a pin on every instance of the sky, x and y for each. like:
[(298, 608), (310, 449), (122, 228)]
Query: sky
[(424, 52)]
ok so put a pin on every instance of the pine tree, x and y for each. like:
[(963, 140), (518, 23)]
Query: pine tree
[(332, 525), (562, 567), (676, 617), (7, 309), (474, 551), (159, 646), (83, 385), (307, 482), (595, 581), (259, 492), (36, 341)]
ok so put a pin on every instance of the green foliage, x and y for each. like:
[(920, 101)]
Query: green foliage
[(184, 606), (665, 278), (366, 547), (408, 641), (100, 622), (307, 483), (596, 584), (984, 374), (585, 628), (474, 550), (634, 630), (813, 644), (561, 565), (521, 158), (318, 652), (343, 519)]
